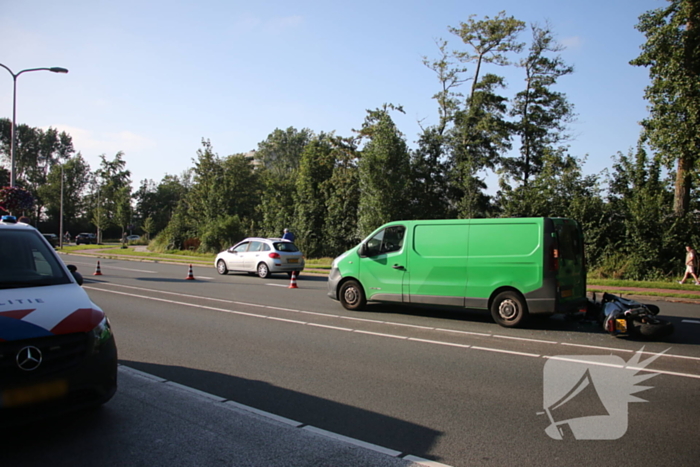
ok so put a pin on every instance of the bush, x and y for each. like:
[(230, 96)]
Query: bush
[(221, 234)]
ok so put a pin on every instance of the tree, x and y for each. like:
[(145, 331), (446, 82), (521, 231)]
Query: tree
[(479, 138), (342, 194), (279, 156), (672, 55), (480, 133), (73, 176), (489, 40), (112, 194), (541, 113), (384, 169), (315, 169), (428, 179)]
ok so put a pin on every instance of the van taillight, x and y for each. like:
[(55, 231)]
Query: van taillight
[(554, 259)]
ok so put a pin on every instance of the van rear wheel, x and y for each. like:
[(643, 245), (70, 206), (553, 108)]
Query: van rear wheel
[(508, 309), (352, 297)]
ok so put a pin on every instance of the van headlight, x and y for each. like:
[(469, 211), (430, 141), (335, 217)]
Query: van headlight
[(101, 334)]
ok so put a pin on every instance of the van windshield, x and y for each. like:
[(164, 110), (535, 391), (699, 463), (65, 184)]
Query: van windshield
[(27, 261)]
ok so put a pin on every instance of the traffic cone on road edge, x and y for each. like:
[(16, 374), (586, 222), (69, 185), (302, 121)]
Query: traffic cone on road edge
[(190, 274), (97, 270), (293, 282)]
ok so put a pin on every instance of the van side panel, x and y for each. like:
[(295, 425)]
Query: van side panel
[(437, 267), (504, 253)]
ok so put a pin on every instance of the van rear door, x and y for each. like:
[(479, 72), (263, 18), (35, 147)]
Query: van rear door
[(571, 273)]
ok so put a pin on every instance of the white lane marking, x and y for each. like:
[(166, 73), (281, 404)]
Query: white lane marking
[(522, 354), (464, 332), (597, 347), (524, 339), (277, 285), (380, 334), (450, 344), (328, 315), (691, 321)]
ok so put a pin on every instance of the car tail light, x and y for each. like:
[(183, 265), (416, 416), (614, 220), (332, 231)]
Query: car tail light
[(274, 255)]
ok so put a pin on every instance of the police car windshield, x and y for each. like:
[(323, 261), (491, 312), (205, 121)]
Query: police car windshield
[(27, 261)]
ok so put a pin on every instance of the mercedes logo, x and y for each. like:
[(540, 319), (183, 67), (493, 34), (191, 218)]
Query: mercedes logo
[(29, 358)]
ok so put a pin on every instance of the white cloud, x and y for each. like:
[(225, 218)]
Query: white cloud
[(91, 143)]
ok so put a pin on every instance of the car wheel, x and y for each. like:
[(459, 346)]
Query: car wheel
[(263, 270), (352, 297), (221, 267), (508, 309)]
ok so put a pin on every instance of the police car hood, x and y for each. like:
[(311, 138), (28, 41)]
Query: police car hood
[(46, 311)]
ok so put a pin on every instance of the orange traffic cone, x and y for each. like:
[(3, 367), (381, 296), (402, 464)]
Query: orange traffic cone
[(293, 283), (97, 270), (190, 275)]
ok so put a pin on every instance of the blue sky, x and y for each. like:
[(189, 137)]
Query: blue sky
[(153, 78)]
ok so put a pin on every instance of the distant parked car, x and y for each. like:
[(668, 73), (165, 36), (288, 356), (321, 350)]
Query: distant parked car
[(52, 238), (86, 238), (261, 256), (132, 238)]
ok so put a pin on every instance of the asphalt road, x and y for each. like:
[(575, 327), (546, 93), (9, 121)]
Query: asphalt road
[(436, 384)]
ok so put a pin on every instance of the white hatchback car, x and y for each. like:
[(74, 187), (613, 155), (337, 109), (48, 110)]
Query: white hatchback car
[(261, 256)]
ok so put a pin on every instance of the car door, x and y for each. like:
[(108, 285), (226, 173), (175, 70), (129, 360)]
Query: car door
[(383, 267), (253, 256), (235, 257)]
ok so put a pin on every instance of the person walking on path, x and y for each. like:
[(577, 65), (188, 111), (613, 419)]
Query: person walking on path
[(288, 235), (690, 261)]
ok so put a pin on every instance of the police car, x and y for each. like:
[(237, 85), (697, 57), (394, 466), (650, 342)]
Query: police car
[(57, 351)]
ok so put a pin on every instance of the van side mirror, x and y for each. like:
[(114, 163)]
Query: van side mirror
[(74, 270), (362, 251)]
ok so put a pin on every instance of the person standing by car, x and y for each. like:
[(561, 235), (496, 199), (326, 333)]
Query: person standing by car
[(288, 235), (67, 237), (690, 263)]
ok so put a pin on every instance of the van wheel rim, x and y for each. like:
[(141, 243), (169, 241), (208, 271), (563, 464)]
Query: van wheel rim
[(350, 295), (508, 309)]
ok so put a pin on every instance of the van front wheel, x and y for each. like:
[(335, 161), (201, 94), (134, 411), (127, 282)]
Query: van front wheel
[(508, 309), (352, 297)]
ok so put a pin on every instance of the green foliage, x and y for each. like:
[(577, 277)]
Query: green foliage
[(384, 172), (220, 234), (672, 55), (541, 112), (315, 169), (173, 237)]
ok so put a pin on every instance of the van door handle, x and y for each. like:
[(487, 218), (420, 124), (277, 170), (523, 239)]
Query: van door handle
[(397, 266)]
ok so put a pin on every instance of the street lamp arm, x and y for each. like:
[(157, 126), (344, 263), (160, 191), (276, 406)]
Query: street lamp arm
[(54, 69), (13, 137)]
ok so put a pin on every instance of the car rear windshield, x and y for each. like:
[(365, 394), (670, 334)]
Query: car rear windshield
[(285, 246), (27, 261)]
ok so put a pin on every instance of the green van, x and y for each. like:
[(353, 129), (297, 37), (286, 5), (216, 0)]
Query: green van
[(513, 267)]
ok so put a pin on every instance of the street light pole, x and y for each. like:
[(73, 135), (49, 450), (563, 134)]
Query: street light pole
[(60, 217), (14, 111)]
